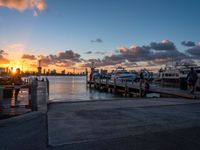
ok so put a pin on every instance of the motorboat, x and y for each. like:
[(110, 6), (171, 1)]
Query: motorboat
[(122, 75), (173, 75)]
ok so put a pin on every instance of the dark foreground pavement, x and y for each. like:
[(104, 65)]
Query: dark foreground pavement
[(181, 139), (153, 124)]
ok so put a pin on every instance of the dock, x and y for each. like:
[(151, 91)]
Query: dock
[(135, 89)]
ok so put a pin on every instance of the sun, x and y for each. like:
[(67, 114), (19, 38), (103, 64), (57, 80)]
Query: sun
[(14, 70)]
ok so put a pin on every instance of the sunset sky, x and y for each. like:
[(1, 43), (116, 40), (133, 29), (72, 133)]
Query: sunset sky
[(72, 33)]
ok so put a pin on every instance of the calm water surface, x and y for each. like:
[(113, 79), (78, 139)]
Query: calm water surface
[(69, 88)]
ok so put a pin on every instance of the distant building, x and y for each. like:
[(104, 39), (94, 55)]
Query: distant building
[(53, 72), (39, 67), (18, 71), (2, 70), (92, 67), (48, 72), (7, 70), (63, 72), (44, 71)]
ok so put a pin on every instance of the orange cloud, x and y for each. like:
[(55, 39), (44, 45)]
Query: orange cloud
[(15, 50), (21, 5)]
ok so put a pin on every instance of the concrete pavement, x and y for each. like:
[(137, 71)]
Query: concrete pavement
[(125, 124)]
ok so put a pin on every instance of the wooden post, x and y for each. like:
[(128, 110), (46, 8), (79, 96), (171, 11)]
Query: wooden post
[(126, 88), (99, 83), (1, 93), (1, 97), (86, 75), (34, 95), (47, 80), (107, 86), (140, 88), (115, 85), (95, 85)]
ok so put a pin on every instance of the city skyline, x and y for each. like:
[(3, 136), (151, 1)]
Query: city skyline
[(67, 34)]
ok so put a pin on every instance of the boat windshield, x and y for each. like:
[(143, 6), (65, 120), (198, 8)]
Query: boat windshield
[(122, 72)]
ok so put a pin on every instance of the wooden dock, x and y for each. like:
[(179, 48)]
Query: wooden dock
[(137, 90)]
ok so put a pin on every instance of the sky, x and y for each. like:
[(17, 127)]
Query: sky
[(64, 34)]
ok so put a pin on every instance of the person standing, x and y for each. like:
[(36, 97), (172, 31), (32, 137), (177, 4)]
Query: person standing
[(191, 80), (141, 82), (146, 87), (17, 81)]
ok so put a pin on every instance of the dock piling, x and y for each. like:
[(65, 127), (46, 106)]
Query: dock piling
[(1, 97), (115, 85), (1, 94), (34, 95), (47, 81), (126, 88)]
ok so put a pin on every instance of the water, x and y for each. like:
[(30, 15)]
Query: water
[(73, 88)]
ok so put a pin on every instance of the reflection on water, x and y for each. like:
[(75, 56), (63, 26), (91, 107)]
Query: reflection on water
[(69, 88)]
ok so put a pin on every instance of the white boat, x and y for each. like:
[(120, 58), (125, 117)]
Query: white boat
[(122, 74), (174, 75)]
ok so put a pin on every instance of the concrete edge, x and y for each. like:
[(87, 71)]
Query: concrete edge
[(195, 101), (21, 118)]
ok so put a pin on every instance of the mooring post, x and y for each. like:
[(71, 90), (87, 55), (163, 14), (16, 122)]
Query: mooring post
[(86, 75), (47, 80), (90, 81), (107, 87), (1, 93), (34, 86), (1, 97), (126, 88), (99, 83), (162, 82), (115, 85), (95, 84), (140, 88)]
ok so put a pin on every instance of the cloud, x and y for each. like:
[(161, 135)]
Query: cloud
[(162, 58), (163, 45), (187, 62), (30, 57), (16, 46), (188, 43), (144, 53), (97, 52), (66, 58), (3, 60), (135, 50), (22, 5), (155, 53), (69, 55), (88, 52), (98, 40), (100, 53), (194, 51), (2, 52), (16, 50)]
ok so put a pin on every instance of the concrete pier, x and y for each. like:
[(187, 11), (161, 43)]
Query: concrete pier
[(125, 124)]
